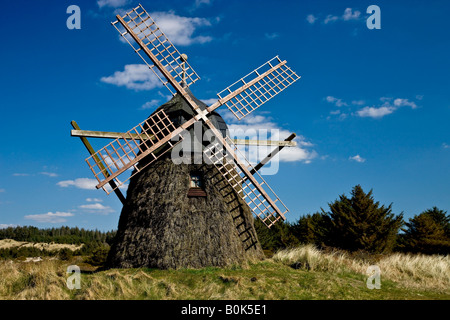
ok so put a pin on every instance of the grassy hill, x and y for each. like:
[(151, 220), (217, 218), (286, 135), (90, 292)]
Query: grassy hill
[(298, 273)]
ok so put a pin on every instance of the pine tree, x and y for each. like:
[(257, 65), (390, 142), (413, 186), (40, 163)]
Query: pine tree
[(312, 229), (428, 232), (279, 236), (359, 223)]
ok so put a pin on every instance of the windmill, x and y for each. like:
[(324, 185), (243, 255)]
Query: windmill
[(143, 148)]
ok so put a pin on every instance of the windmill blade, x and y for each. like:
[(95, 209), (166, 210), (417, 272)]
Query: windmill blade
[(125, 152), (259, 86), (121, 135), (272, 154), (141, 32), (92, 152), (233, 166)]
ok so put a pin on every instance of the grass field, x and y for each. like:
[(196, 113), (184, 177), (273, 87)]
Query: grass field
[(298, 273)]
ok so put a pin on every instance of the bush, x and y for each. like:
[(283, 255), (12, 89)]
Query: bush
[(65, 254), (98, 257)]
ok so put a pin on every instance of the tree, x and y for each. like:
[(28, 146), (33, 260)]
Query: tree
[(441, 218), (312, 229), (359, 223), (279, 236), (428, 232)]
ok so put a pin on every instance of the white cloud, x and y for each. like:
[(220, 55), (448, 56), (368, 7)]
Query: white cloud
[(50, 174), (445, 146), (271, 36), (404, 102), (389, 106), (150, 104), (94, 200), (96, 208), (294, 154), (45, 173), (350, 15), (135, 76), (4, 226), (311, 18), (358, 102), (112, 3), (209, 102), (373, 112), (50, 217), (263, 128), (330, 18), (180, 30), (357, 158), (81, 183), (337, 102), (198, 3)]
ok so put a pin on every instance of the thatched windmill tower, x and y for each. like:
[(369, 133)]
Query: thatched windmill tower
[(183, 214)]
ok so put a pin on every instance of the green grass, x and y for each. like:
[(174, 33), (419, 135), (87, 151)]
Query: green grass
[(272, 279)]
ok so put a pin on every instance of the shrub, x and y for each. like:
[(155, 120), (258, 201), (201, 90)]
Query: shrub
[(98, 257)]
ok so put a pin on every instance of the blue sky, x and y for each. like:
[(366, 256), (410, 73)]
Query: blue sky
[(372, 106)]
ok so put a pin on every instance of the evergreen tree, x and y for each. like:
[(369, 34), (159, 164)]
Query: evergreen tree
[(92, 239), (279, 236), (441, 218), (428, 232), (359, 223), (312, 229)]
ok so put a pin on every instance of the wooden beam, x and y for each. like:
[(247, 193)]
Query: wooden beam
[(264, 143), (121, 135), (271, 155), (92, 153), (107, 134)]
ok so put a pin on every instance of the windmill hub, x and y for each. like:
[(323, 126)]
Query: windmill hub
[(183, 57)]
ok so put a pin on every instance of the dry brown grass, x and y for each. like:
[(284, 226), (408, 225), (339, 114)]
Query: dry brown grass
[(32, 281), (316, 275), (411, 271), (9, 243)]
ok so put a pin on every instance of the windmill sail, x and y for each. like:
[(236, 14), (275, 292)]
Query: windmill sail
[(261, 199), (259, 86), (125, 152), (142, 33)]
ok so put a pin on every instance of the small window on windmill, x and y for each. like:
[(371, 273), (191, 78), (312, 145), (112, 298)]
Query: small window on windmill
[(196, 186)]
